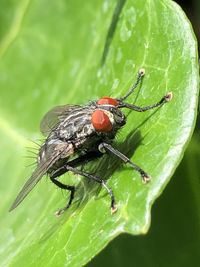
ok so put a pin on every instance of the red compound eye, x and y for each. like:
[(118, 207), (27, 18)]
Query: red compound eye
[(107, 101), (101, 121)]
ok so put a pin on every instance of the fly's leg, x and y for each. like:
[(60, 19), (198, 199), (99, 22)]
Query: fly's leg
[(163, 100), (63, 169), (98, 180), (141, 73), (77, 162), (107, 147), (66, 187)]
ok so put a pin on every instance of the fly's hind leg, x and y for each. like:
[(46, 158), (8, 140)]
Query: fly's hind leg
[(81, 160), (63, 169), (71, 188), (98, 180)]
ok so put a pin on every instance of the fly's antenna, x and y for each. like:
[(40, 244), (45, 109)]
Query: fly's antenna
[(140, 75)]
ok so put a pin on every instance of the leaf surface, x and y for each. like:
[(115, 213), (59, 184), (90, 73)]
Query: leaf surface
[(57, 53)]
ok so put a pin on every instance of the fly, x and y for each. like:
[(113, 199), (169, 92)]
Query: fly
[(86, 133)]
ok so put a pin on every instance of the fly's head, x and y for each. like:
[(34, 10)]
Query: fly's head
[(107, 118)]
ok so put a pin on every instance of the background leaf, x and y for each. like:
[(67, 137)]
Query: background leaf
[(55, 53)]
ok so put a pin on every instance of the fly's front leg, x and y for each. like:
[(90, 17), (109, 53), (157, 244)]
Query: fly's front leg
[(108, 148), (140, 75), (163, 100)]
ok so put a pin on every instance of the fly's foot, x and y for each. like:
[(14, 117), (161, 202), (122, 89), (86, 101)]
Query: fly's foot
[(141, 72), (113, 209), (59, 212), (146, 178), (168, 97)]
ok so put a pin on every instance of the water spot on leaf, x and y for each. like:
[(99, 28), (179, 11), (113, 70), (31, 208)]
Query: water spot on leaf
[(119, 55), (131, 16), (115, 84), (125, 33)]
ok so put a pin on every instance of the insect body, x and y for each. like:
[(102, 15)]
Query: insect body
[(76, 135)]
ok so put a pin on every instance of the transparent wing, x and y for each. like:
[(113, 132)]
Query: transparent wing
[(41, 169), (54, 116)]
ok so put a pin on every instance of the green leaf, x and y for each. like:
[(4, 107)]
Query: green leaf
[(58, 52), (175, 224)]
